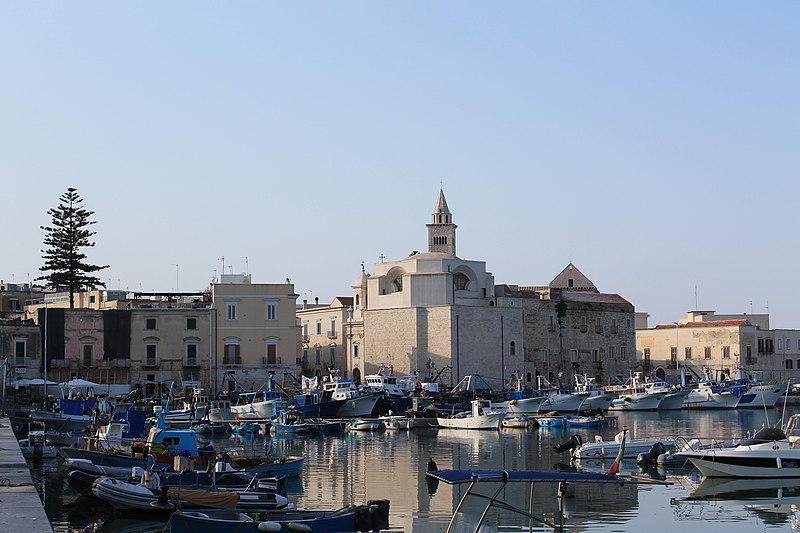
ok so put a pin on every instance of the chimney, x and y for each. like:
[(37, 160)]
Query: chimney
[(316, 300), (305, 303)]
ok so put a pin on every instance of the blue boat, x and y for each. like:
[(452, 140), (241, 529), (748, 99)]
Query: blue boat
[(374, 516)]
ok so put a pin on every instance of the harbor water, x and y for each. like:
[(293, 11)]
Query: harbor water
[(354, 467)]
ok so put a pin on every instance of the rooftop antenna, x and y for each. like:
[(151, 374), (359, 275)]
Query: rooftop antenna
[(177, 277), (246, 265), (695, 298), (222, 258)]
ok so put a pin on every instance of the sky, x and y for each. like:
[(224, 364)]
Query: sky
[(653, 144)]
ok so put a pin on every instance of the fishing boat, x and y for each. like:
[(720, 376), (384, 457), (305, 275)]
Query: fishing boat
[(561, 399), (245, 427), (206, 427), (481, 416), (262, 466), (355, 402), (633, 396), (374, 516), (595, 397)]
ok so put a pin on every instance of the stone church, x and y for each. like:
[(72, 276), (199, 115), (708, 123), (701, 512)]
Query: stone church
[(443, 317)]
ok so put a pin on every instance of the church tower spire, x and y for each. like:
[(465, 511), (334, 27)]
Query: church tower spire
[(441, 230)]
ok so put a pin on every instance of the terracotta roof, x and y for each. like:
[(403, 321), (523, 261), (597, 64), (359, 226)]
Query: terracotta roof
[(714, 324)]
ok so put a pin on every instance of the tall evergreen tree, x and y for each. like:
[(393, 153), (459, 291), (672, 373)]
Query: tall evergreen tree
[(64, 240)]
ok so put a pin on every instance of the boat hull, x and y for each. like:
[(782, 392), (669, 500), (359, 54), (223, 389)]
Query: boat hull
[(489, 421), (358, 406)]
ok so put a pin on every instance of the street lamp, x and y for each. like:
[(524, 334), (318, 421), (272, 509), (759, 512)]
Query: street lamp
[(677, 345)]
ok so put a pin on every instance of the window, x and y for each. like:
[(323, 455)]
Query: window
[(232, 354), (628, 323), (333, 356), (460, 281), (573, 356), (647, 356), (398, 283), (687, 352), (13, 304), (726, 352), (150, 355), (788, 364), (673, 354), (512, 347), (272, 352), (332, 331), (191, 323), (355, 350), (596, 355), (788, 344), (570, 282), (623, 353), (20, 351), (318, 358), (707, 352), (611, 352), (319, 328), (614, 325), (149, 323), (780, 344), (231, 311), (91, 299), (191, 355), (749, 356), (88, 353), (272, 311)]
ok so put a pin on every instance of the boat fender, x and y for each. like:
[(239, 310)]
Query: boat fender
[(269, 526), (294, 526)]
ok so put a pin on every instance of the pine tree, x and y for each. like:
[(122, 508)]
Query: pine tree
[(64, 240)]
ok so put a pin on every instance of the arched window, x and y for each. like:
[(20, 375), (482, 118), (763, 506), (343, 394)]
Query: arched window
[(460, 281), (398, 283), (358, 300)]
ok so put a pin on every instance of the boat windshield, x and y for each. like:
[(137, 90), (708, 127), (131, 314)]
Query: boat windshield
[(765, 435)]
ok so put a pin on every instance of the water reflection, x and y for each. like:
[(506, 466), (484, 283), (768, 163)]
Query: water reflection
[(354, 467)]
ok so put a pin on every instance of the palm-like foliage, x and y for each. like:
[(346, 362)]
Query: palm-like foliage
[(64, 239)]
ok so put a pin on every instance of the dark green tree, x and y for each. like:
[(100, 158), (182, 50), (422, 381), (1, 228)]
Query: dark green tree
[(64, 239)]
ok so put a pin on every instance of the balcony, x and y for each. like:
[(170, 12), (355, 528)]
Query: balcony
[(59, 363), (305, 339), (598, 329), (191, 363), (614, 330), (332, 334), (150, 364), (232, 361), (122, 363)]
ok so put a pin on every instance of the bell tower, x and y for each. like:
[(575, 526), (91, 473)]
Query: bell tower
[(441, 230)]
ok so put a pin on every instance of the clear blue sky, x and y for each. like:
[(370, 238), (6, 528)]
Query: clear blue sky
[(655, 144)]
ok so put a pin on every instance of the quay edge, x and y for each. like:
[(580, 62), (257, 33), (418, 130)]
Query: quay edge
[(20, 505)]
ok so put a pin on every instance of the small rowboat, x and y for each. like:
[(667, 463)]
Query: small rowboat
[(363, 424), (521, 421), (586, 421)]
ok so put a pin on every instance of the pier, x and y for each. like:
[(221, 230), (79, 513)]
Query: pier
[(20, 505)]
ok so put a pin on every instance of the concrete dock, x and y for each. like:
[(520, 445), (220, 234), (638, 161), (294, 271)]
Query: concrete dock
[(21, 508)]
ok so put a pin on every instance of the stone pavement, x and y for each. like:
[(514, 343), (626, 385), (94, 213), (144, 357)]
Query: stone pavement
[(21, 508)]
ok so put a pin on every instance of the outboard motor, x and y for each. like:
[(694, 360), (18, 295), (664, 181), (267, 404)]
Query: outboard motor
[(651, 457), (573, 442)]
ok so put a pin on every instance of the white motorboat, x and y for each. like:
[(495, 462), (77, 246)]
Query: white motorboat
[(768, 454), (356, 402), (600, 449), (557, 398), (517, 421), (481, 416), (524, 406), (397, 422)]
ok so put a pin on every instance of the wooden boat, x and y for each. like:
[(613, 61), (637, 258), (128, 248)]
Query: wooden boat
[(585, 421), (364, 424), (290, 466), (480, 417), (551, 420), (145, 496), (519, 421), (374, 516), (397, 422)]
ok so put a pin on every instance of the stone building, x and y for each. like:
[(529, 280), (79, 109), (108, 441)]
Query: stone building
[(20, 348), (436, 314), (705, 344), (324, 343), (256, 331)]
